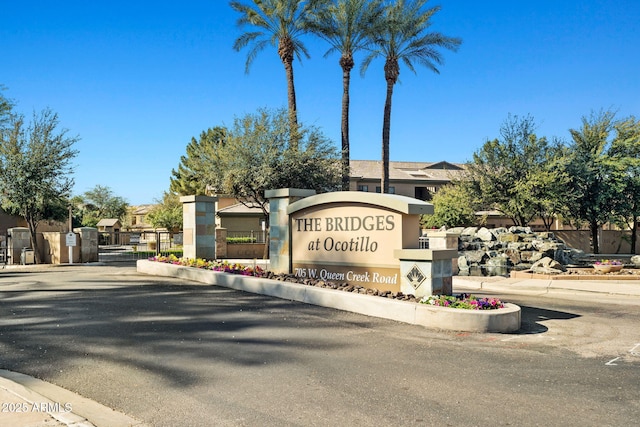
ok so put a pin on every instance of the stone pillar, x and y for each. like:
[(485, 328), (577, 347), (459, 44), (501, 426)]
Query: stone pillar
[(425, 272), (88, 243), (199, 227), (279, 233), (444, 240), (19, 238)]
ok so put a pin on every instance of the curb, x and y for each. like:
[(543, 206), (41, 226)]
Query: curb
[(64, 406), (501, 320)]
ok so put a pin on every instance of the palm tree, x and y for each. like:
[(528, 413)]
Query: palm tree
[(279, 23), (347, 25), (405, 38)]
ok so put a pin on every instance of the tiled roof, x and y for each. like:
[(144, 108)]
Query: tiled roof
[(108, 222), (240, 209), (142, 209), (406, 171)]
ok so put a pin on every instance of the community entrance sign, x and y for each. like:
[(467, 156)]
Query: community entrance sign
[(352, 236)]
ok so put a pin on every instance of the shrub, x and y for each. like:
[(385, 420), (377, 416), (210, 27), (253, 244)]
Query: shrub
[(246, 239)]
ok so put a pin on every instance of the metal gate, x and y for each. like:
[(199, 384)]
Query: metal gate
[(135, 245)]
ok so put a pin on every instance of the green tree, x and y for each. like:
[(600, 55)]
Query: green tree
[(6, 106), (512, 173), (405, 38), (546, 184), (190, 178), (595, 178), (167, 213), (35, 170), (258, 156), (454, 205), (348, 27), (100, 203), (625, 153), (278, 23)]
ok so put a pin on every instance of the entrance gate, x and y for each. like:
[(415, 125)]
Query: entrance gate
[(135, 245)]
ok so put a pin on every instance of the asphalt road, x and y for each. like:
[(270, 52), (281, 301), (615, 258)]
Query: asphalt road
[(170, 352)]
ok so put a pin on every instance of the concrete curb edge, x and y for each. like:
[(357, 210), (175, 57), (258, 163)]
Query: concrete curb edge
[(503, 320), (84, 412)]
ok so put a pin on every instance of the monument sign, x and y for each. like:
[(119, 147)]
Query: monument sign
[(351, 236)]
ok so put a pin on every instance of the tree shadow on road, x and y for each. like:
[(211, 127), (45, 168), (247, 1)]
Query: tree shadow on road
[(152, 327)]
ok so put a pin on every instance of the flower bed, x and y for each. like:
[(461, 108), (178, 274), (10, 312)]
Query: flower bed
[(464, 301), (223, 266), (394, 307)]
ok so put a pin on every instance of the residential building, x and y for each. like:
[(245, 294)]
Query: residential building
[(138, 218), (413, 179), (109, 225)]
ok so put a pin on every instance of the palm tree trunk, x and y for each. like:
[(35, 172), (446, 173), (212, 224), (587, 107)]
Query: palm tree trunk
[(346, 62), (386, 129), (391, 73), (291, 96), (286, 53)]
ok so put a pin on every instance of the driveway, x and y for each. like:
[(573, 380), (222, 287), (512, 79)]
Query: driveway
[(169, 352)]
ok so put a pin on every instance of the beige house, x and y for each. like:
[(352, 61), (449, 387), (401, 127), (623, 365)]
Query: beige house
[(10, 221), (109, 225), (241, 218), (413, 179), (138, 217)]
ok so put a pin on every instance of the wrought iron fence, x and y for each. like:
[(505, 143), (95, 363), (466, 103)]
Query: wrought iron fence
[(134, 245)]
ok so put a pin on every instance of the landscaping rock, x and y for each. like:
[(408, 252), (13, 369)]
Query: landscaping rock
[(497, 266), (484, 251), (485, 235), (548, 266)]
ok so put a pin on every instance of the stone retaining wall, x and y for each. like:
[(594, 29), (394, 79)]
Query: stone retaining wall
[(497, 251)]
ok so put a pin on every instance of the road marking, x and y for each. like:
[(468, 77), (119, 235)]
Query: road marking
[(610, 362), (633, 350)]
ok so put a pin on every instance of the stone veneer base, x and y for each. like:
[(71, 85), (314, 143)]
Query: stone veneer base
[(501, 320)]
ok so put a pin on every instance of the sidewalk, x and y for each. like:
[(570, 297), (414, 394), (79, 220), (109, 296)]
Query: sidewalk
[(627, 291), (29, 402)]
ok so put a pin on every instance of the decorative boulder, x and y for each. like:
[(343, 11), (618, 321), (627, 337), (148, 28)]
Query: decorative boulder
[(485, 235), (497, 266), (548, 266), (508, 237)]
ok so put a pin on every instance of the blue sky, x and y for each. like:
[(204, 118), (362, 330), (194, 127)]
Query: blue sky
[(136, 80)]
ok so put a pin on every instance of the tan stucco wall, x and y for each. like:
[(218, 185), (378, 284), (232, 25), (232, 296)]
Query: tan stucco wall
[(244, 224)]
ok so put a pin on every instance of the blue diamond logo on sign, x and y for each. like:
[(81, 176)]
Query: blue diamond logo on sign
[(415, 277)]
